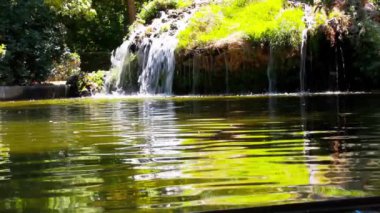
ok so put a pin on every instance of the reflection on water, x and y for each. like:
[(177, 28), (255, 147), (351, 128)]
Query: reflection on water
[(187, 154)]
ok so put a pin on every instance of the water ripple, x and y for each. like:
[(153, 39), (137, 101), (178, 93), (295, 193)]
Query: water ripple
[(189, 155)]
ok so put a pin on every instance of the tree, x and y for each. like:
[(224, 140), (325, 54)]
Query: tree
[(104, 31), (33, 39), (72, 8), (131, 10)]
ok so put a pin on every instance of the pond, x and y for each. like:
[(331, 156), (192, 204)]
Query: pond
[(157, 154)]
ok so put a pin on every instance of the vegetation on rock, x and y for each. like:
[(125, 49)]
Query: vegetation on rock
[(259, 21), (343, 39), (151, 9), (68, 65), (86, 84)]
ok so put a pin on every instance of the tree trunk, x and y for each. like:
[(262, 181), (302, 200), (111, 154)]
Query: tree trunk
[(131, 7)]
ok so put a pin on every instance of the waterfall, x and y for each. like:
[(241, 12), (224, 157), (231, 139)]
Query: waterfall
[(340, 66), (121, 67), (157, 74), (336, 69), (226, 79), (309, 21), (343, 66), (145, 63), (270, 73), (303, 60)]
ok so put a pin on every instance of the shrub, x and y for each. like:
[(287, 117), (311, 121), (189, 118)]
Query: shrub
[(91, 83), (69, 65), (366, 43)]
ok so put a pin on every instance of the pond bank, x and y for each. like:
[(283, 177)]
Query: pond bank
[(10, 93)]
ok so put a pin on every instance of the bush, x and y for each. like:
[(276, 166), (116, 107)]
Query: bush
[(91, 83), (366, 43), (69, 65), (33, 38)]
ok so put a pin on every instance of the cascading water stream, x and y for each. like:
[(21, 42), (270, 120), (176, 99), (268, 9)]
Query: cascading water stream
[(309, 21), (343, 64), (270, 73), (120, 75), (157, 72), (303, 60), (336, 69), (145, 63), (340, 67)]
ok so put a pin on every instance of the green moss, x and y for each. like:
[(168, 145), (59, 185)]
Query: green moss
[(165, 28), (262, 21), (203, 27)]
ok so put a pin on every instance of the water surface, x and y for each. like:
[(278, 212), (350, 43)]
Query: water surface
[(187, 154)]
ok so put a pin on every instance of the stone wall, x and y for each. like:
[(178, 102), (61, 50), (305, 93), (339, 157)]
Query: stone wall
[(8, 93)]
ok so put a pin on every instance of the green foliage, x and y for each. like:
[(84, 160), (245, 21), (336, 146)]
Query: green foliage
[(91, 83), (102, 33), (320, 18), (33, 38), (72, 7), (367, 49), (3, 50), (151, 9), (68, 65), (165, 28), (94, 25), (288, 28), (261, 21)]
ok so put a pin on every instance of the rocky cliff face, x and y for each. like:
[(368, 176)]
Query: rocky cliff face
[(195, 49), (238, 65)]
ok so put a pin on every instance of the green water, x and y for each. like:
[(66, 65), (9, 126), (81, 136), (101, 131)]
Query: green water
[(186, 154)]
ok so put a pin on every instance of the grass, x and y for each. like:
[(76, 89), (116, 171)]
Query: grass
[(184, 3), (259, 20)]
